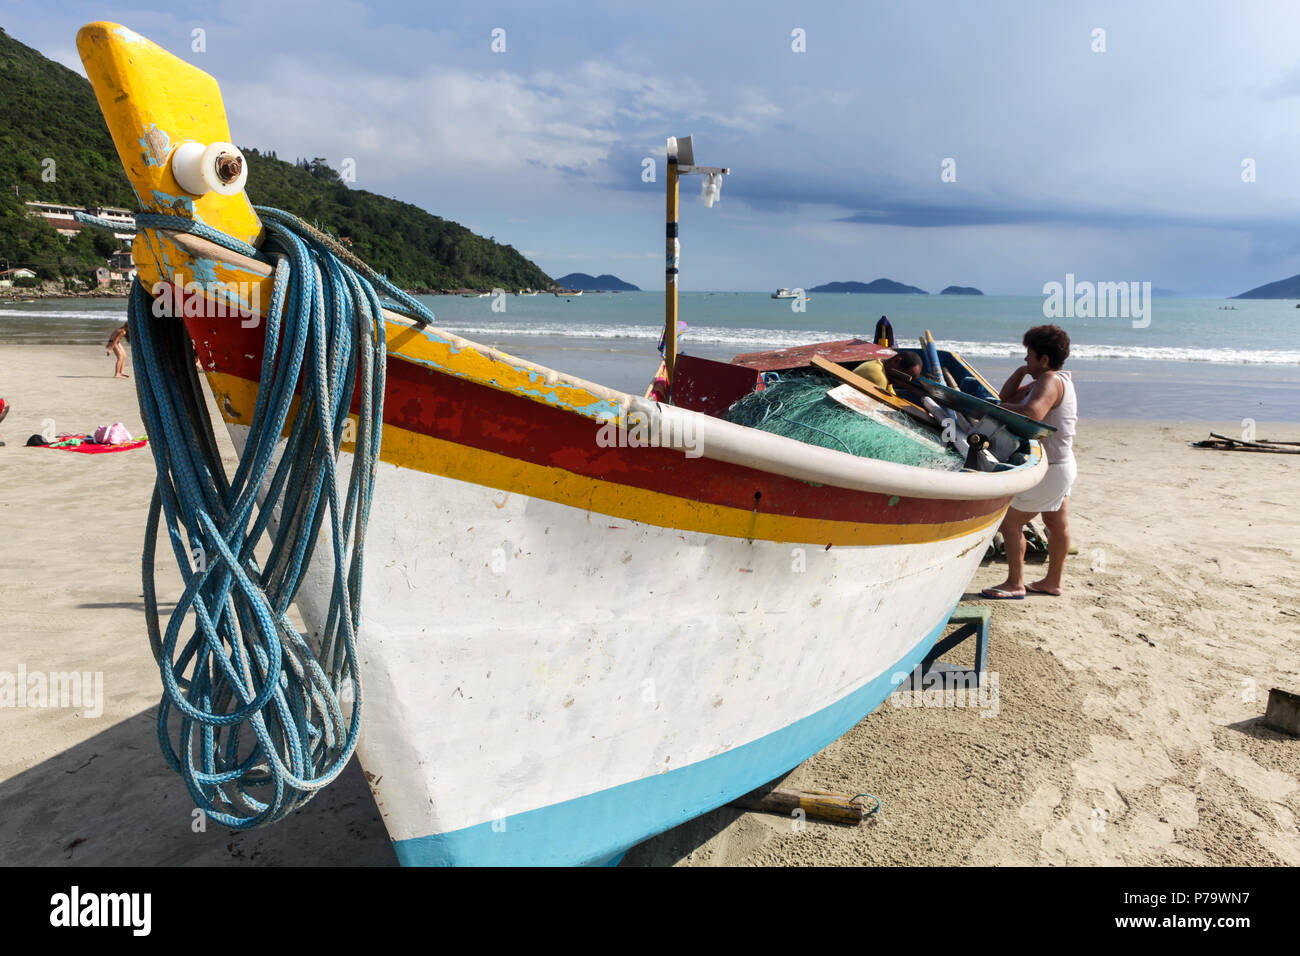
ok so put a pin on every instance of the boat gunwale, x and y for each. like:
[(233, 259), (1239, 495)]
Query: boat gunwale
[(690, 431)]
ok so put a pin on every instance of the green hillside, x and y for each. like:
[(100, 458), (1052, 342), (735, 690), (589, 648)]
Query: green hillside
[(402, 241), (85, 169), (49, 112)]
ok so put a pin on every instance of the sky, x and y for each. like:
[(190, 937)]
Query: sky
[(1150, 141)]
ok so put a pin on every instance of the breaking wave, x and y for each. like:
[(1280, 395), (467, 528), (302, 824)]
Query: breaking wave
[(752, 340), (35, 315), (741, 339)]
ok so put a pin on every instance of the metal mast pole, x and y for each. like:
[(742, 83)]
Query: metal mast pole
[(672, 254)]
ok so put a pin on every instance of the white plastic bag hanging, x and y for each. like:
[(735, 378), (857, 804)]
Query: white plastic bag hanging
[(711, 189)]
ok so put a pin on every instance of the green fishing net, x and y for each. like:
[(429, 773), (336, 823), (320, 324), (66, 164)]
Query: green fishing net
[(798, 407)]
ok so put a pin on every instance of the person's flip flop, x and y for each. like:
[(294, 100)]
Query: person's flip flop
[(1033, 590), (994, 594)]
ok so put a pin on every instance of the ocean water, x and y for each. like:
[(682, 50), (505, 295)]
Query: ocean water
[(1193, 330), (1194, 359)]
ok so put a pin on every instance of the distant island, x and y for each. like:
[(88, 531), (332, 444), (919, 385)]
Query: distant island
[(961, 290), (1281, 289), (582, 282), (879, 286)]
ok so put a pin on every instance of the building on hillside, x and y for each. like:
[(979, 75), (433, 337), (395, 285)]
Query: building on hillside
[(101, 277), (121, 266), (63, 218), (8, 276), (124, 217)]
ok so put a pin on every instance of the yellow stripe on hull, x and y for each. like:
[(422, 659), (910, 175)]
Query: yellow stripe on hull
[(437, 456)]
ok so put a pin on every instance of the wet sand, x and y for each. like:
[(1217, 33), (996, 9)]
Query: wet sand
[(1125, 731)]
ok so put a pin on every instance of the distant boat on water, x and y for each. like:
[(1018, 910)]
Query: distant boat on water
[(785, 294)]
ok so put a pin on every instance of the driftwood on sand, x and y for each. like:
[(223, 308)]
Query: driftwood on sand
[(1224, 443)]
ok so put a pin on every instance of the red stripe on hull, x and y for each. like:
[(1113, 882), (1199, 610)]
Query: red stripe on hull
[(440, 405)]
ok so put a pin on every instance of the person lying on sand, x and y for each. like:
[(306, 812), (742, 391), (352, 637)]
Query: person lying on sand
[(1049, 397), (114, 345)]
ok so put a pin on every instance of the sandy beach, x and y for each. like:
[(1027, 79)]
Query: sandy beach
[(1126, 727)]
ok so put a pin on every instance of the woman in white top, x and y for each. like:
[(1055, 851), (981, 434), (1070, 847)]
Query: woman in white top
[(1049, 398)]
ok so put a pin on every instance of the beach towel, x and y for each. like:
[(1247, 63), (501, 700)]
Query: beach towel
[(86, 445)]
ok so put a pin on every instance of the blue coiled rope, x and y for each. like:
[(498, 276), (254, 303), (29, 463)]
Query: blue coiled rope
[(259, 723)]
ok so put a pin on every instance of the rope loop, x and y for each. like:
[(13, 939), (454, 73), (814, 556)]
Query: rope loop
[(255, 716)]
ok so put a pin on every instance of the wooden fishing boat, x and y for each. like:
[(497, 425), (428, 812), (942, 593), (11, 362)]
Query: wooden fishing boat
[(570, 644)]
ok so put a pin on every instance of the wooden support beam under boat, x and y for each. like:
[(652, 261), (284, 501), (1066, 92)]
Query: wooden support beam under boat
[(821, 805)]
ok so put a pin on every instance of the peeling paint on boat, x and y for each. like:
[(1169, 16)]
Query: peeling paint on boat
[(168, 201), (156, 145), (205, 272), (253, 274), (127, 34), (598, 408)]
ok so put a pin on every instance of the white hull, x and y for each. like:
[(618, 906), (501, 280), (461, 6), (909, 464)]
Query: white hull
[(520, 654)]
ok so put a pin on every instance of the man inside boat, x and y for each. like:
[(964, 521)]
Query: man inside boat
[(873, 370), (1048, 397)]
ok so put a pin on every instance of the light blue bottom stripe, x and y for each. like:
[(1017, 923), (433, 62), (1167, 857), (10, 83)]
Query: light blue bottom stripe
[(602, 826)]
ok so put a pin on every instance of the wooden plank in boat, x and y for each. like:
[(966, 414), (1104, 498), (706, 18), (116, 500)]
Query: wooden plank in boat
[(845, 350), (850, 397), (868, 388)]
